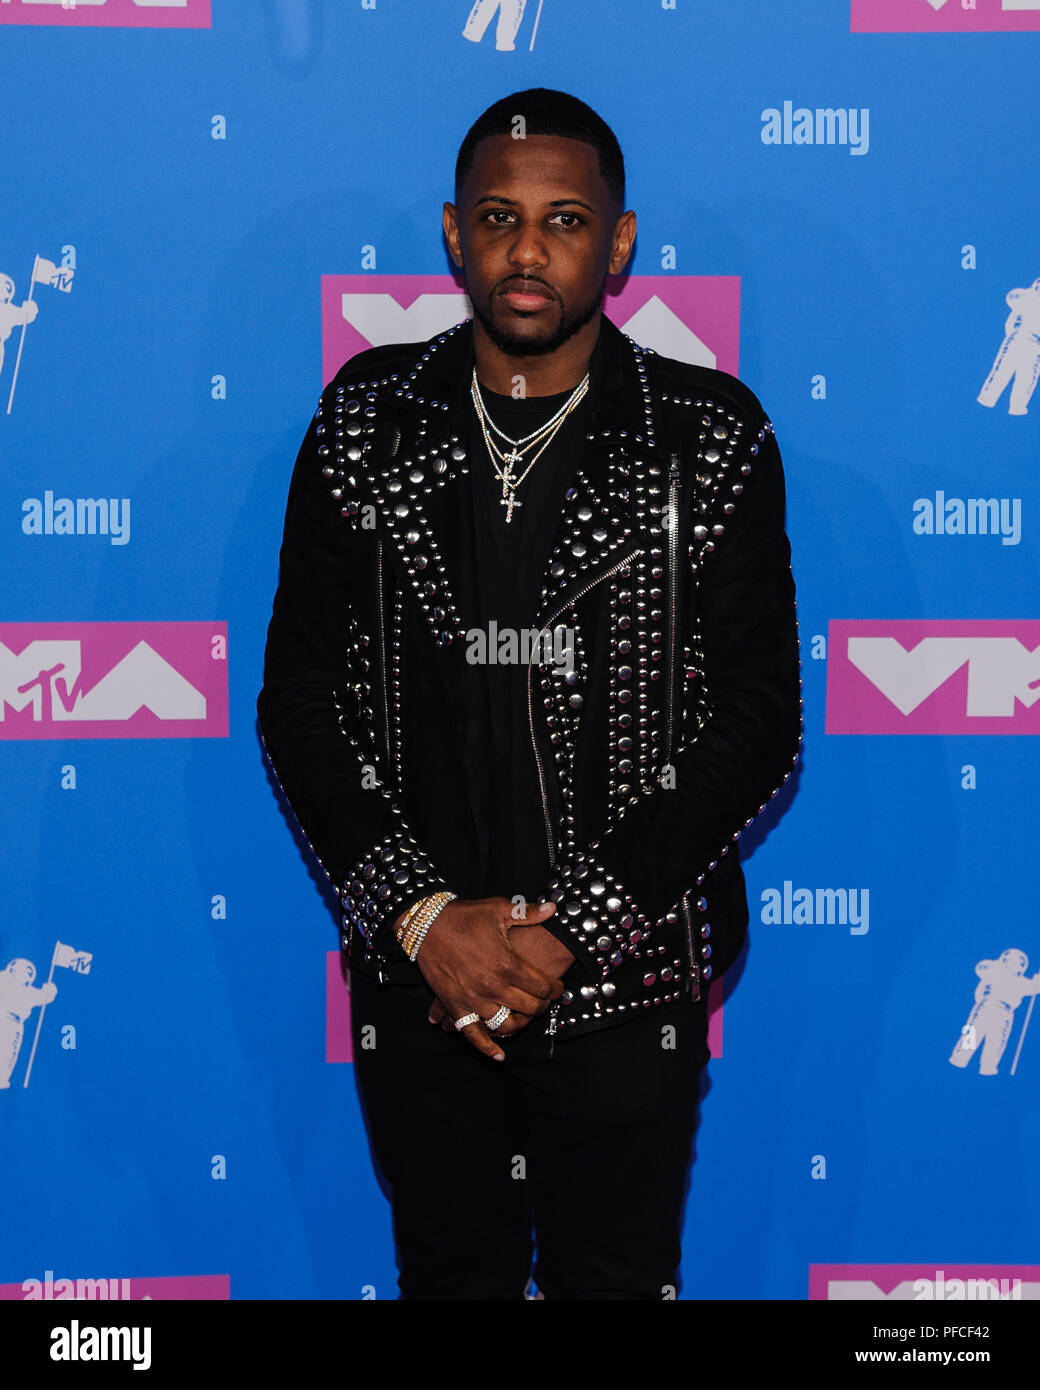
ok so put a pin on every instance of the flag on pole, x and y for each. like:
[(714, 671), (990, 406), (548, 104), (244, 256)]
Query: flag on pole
[(72, 959), (45, 272)]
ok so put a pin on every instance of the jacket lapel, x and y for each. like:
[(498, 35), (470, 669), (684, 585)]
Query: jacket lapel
[(419, 460), (598, 528)]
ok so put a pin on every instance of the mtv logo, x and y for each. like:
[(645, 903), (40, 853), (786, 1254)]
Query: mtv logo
[(943, 16), (123, 14), (924, 677), (113, 680), (695, 318)]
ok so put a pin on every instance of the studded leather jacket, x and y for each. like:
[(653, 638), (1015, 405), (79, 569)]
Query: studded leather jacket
[(671, 568)]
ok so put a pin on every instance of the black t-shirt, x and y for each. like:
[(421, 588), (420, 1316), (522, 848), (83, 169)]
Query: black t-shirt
[(504, 570)]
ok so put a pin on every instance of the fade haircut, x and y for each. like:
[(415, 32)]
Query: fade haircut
[(547, 112)]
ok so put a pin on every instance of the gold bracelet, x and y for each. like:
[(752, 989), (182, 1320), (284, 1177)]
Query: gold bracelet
[(428, 912), (412, 936), (408, 917)]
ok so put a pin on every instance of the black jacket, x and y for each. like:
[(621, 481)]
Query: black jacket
[(672, 566)]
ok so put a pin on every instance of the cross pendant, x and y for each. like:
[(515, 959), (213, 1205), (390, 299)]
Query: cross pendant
[(509, 503)]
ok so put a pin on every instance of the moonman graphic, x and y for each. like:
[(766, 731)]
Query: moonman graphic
[(12, 315), (1001, 988), (18, 997), (510, 16), (545, 861), (1018, 358)]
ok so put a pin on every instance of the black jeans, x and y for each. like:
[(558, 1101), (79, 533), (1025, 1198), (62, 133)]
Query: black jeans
[(590, 1146)]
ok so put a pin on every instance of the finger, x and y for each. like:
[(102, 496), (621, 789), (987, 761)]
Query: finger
[(534, 913), (512, 1024), (518, 1001), (482, 1040), (437, 1012), (520, 974)]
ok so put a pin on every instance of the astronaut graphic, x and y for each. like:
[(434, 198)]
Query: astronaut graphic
[(1018, 358), (510, 14), (18, 997), (1001, 988), (12, 315)]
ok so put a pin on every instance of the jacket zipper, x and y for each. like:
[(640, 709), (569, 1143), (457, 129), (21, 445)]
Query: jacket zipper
[(530, 705), (554, 1009)]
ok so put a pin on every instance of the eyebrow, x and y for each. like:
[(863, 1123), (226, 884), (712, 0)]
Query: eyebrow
[(555, 203)]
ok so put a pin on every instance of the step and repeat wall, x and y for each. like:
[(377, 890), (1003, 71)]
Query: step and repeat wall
[(207, 207)]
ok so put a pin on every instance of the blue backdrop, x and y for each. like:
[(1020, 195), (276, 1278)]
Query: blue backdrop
[(180, 183)]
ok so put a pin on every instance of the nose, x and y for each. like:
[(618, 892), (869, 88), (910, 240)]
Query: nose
[(528, 248)]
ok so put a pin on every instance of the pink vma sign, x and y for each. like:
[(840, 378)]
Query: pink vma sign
[(924, 1283), (339, 1044), (179, 1287), (123, 14), (942, 677), (113, 680), (943, 16), (695, 318)]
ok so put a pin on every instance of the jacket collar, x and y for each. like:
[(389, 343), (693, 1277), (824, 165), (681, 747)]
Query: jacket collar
[(415, 473)]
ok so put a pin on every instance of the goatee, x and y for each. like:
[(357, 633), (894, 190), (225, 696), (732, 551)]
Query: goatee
[(523, 347)]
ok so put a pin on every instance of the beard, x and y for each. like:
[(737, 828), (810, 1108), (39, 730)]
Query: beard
[(516, 345)]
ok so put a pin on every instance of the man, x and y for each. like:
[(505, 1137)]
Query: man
[(554, 843)]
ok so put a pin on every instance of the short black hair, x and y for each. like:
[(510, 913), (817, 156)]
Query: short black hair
[(547, 112)]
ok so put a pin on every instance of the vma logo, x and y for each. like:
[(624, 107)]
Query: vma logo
[(113, 680), (919, 677), (1003, 984), (943, 16), (695, 318), (19, 996), (124, 14), (508, 15)]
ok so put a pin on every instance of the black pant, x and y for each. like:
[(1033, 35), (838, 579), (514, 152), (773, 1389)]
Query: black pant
[(590, 1146)]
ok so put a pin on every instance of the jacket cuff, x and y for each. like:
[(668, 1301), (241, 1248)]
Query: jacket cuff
[(595, 918), (392, 875)]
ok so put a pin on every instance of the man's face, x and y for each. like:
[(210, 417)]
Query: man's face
[(536, 232)]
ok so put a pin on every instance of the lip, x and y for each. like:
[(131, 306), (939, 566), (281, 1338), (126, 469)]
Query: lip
[(526, 299)]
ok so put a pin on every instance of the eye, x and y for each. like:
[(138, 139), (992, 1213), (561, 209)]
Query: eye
[(496, 213), (575, 219)]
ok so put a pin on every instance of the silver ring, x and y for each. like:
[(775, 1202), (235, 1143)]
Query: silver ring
[(465, 1020), (497, 1019)]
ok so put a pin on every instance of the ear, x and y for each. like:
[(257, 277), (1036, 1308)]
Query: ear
[(450, 222), (624, 239)]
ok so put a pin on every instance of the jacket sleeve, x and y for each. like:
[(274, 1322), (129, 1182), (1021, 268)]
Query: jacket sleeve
[(667, 840), (322, 686)]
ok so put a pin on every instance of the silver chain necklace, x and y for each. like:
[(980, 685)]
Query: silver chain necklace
[(544, 435)]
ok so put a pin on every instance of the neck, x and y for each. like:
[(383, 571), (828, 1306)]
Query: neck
[(542, 375)]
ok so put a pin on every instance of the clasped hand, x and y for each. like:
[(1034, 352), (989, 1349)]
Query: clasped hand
[(477, 957)]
